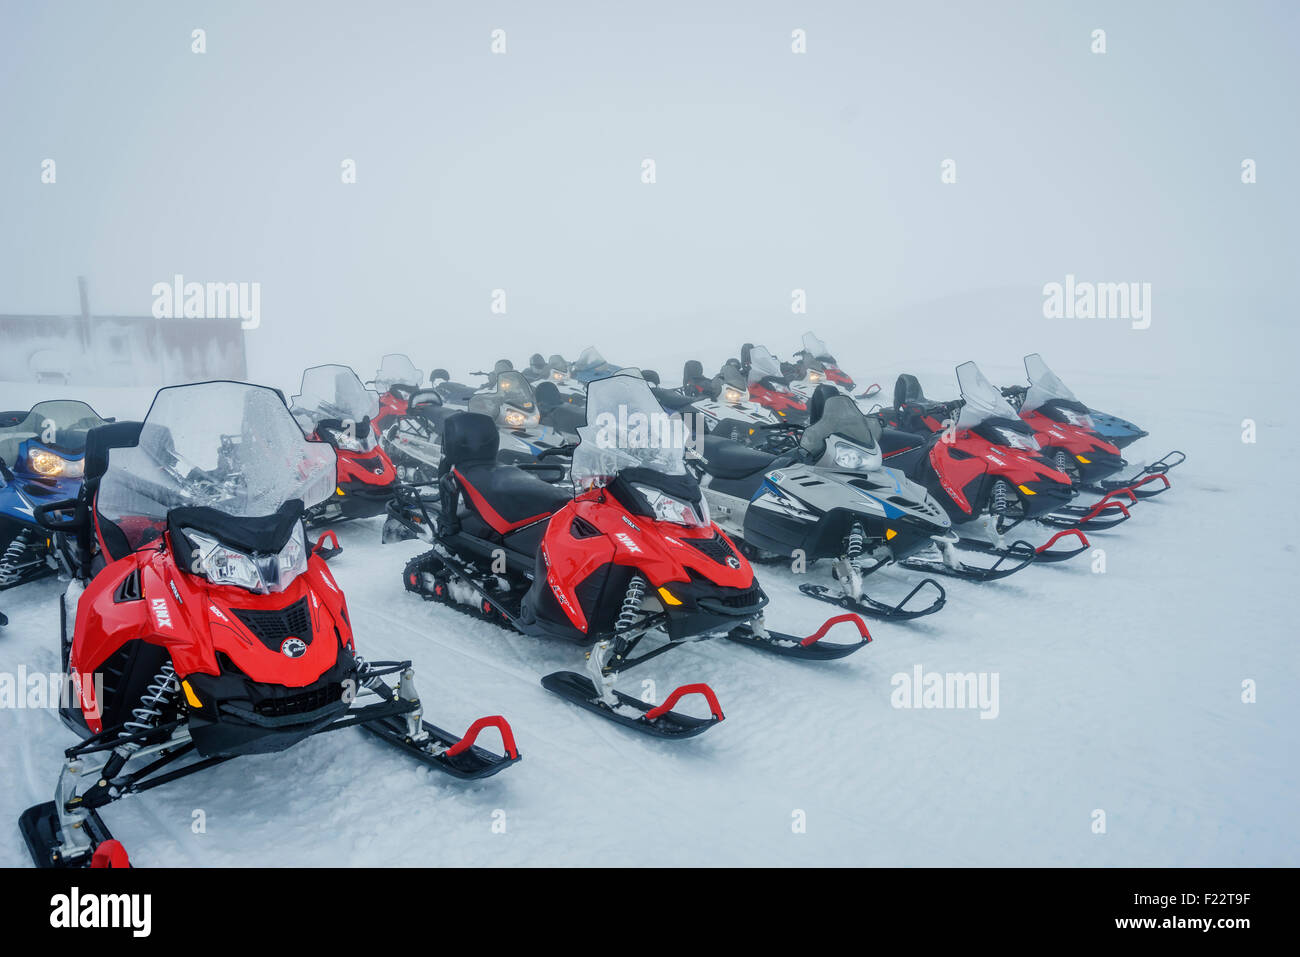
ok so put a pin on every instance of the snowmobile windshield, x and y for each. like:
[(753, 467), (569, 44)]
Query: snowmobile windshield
[(627, 428), (229, 446), (396, 369), (589, 358), (843, 426), (982, 400), (511, 401), (763, 365), (1045, 386), (333, 392), (815, 348), (59, 424), (557, 367), (734, 388)]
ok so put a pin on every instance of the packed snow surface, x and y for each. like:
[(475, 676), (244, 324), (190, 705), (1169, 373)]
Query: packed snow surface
[(1118, 691)]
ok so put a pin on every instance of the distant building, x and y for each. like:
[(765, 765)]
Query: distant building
[(119, 350)]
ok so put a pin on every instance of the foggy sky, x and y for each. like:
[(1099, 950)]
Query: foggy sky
[(775, 171)]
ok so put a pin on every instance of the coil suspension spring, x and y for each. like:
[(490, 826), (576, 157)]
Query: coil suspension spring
[(631, 608), (1000, 497), (157, 693), (11, 561), (853, 547)]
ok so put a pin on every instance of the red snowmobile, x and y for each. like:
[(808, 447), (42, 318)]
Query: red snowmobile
[(768, 386), (1067, 433), (629, 553), (334, 406), (983, 464), (211, 628)]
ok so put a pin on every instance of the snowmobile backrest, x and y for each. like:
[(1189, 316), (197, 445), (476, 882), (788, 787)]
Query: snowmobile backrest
[(102, 438), (693, 370), (907, 389), (468, 438), (503, 365), (548, 396), (439, 375)]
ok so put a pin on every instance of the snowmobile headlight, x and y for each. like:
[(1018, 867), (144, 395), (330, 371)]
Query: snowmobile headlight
[(557, 375), (344, 439), (669, 509), (732, 394), (1017, 440), (44, 462), (261, 574), (848, 457), (515, 419), (814, 376)]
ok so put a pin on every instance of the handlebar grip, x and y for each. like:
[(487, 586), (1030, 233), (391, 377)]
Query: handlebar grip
[(41, 513)]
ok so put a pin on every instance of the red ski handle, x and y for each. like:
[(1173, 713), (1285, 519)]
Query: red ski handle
[(1161, 476), (830, 623), (320, 542), (1132, 499), (1102, 506), (491, 721), (701, 689), (1058, 536), (110, 853)]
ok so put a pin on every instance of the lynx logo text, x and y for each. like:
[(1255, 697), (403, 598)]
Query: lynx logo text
[(75, 910)]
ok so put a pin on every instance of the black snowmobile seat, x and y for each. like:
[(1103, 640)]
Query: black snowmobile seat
[(694, 381), (672, 400), (725, 459), (504, 496), (818, 403)]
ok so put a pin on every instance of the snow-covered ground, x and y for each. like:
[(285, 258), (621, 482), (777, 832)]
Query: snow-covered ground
[(1119, 692)]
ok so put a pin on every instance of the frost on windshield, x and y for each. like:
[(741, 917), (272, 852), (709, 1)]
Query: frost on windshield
[(229, 446), (333, 392), (627, 428)]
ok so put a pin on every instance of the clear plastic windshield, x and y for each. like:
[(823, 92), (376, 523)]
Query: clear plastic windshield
[(589, 358), (841, 416), (734, 387), (58, 423), (229, 446), (763, 365), (815, 348), (397, 369), (333, 392), (1044, 385), (627, 428), (558, 364), (982, 398), (511, 401)]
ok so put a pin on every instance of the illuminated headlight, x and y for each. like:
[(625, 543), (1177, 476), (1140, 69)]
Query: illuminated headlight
[(515, 419), (1016, 440), (55, 466), (261, 574), (732, 394), (557, 375), (669, 509), (1080, 419), (814, 377)]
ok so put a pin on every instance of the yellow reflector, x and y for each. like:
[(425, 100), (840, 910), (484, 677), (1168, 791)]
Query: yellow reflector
[(338, 489), (190, 696), (1026, 489), (667, 596), (889, 533), (1083, 460), (751, 431)]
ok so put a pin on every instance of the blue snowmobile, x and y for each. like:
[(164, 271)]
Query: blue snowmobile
[(42, 462)]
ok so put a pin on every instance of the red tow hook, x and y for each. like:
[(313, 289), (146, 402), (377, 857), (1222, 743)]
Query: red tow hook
[(701, 689), (1061, 534), (830, 623), (491, 721), (1151, 478), (110, 853)]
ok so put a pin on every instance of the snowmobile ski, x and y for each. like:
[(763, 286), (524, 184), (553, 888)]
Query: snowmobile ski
[(657, 720), (811, 647), (866, 605)]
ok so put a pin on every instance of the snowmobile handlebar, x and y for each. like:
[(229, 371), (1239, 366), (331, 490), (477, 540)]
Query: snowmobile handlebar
[(44, 515)]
